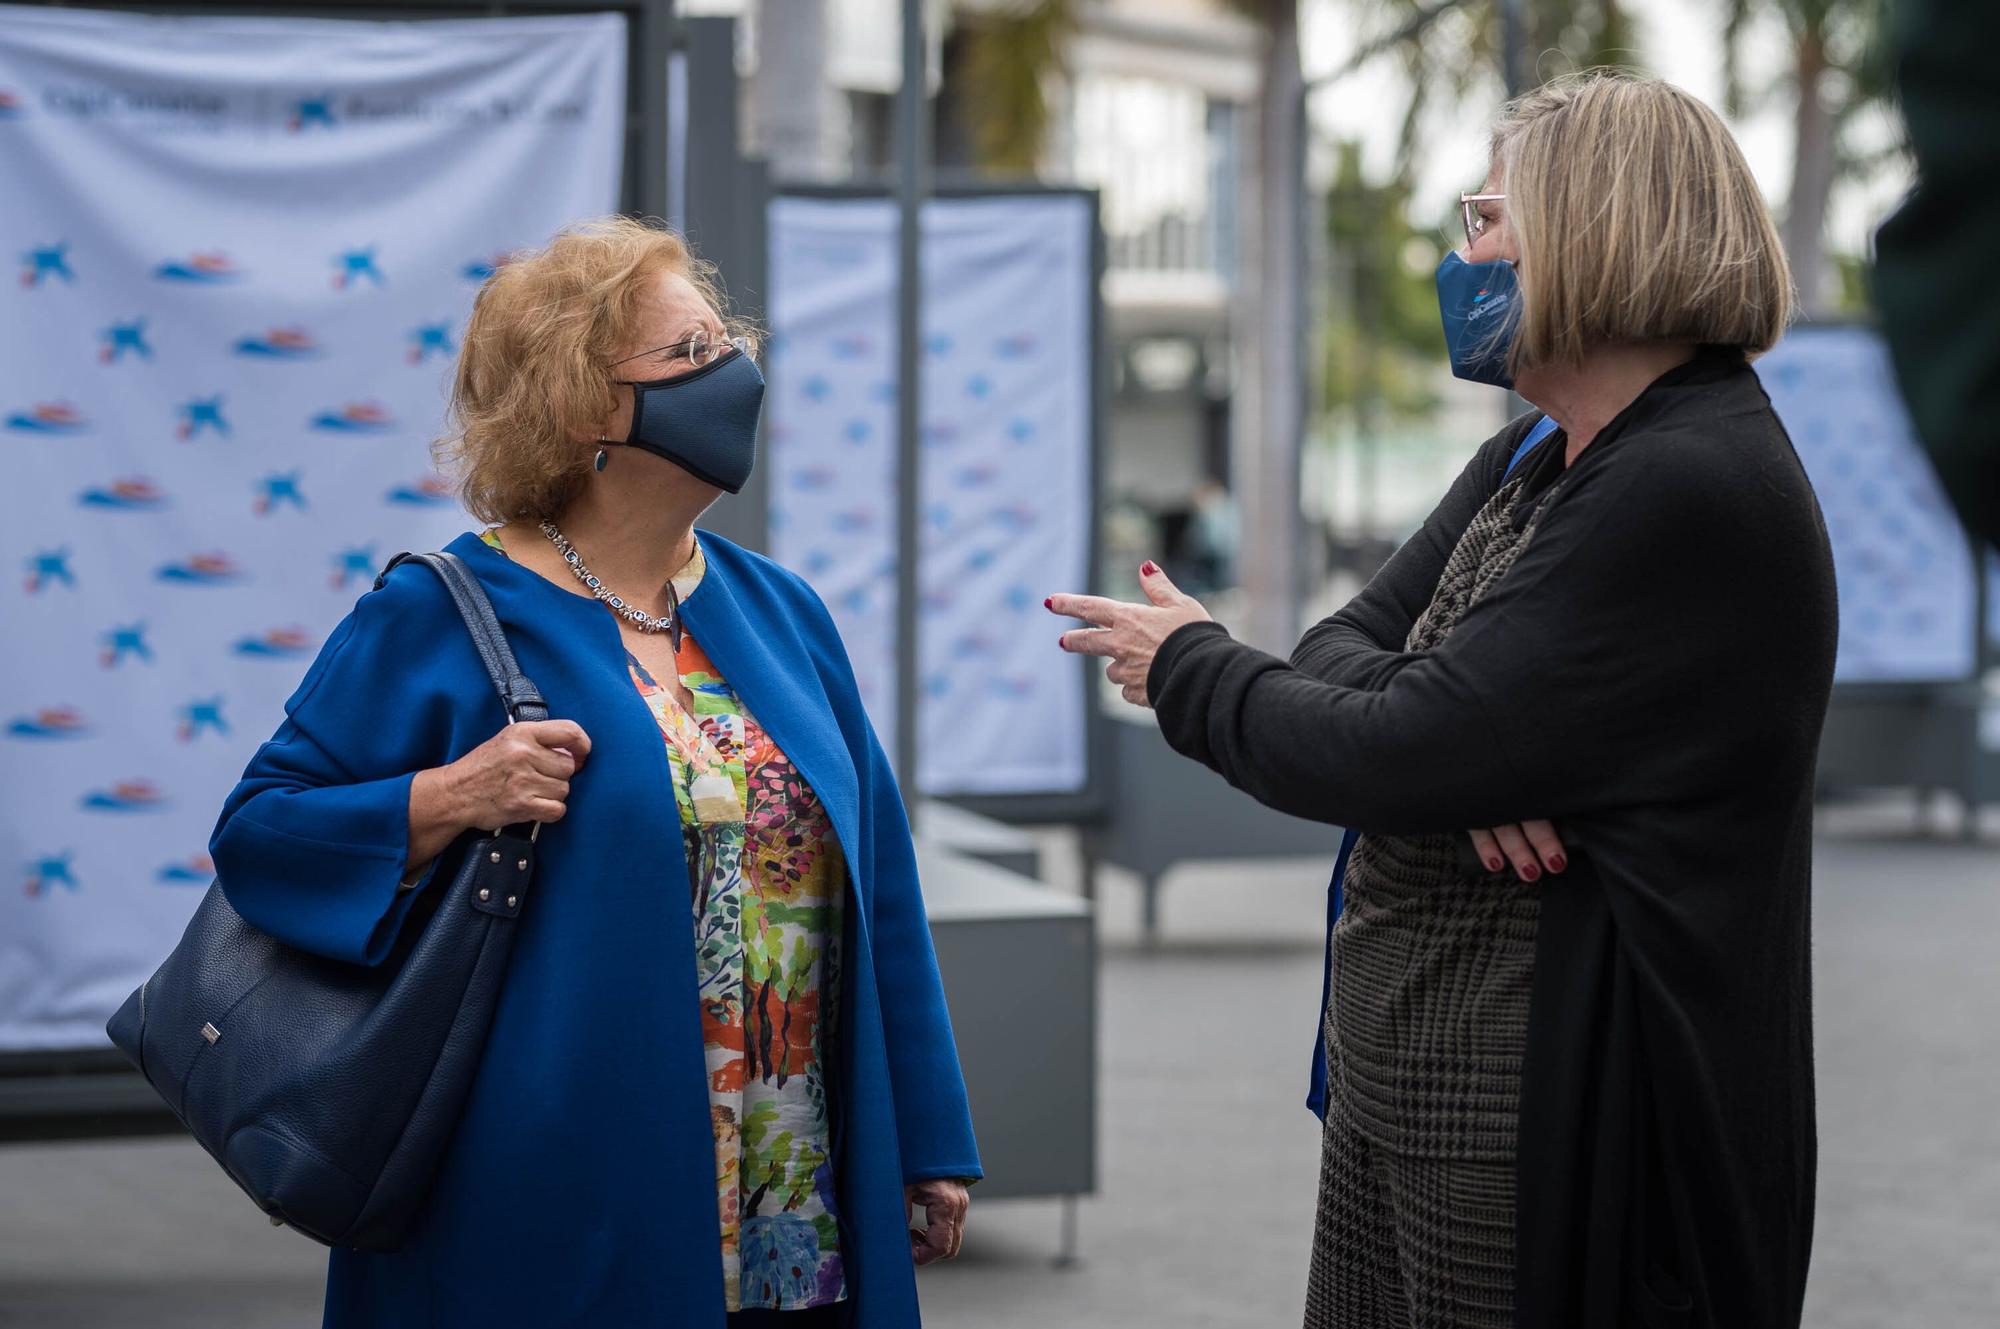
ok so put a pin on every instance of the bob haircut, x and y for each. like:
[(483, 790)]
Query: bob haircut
[(535, 376), (1636, 220)]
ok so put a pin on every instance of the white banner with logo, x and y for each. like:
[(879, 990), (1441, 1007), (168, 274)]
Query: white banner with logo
[(244, 251), (1909, 589), (1006, 466)]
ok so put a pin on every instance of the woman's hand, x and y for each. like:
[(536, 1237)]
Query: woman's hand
[(944, 1203), (520, 774), (1130, 634), (1531, 846)]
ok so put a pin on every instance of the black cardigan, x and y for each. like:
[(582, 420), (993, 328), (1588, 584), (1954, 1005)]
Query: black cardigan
[(1652, 675)]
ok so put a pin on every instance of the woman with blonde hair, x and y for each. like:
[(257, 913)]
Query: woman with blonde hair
[(1565, 1062), (720, 1072)]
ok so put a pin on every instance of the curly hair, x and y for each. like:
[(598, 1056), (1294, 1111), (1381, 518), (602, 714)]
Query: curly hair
[(535, 372)]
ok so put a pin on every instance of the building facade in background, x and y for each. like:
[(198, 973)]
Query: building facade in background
[(1151, 103)]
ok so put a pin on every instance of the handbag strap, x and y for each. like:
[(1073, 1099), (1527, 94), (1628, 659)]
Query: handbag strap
[(521, 698)]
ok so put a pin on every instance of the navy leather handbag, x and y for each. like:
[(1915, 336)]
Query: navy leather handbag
[(329, 1090)]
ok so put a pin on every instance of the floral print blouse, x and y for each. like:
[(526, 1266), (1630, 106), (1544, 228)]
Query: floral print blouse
[(768, 885)]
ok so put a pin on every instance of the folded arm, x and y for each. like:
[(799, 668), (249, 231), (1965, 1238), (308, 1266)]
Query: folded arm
[(1361, 645), (1557, 695)]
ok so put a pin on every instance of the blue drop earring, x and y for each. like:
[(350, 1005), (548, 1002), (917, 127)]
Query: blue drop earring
[(600, 461)]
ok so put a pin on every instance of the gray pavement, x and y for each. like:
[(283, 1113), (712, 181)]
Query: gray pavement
[(1208, 1158)]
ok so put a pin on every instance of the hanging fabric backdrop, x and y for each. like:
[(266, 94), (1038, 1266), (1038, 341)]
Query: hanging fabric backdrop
[(244, 252), (1006, 511), (1909, 590)]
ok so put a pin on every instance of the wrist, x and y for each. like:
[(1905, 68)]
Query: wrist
[(440, 790)]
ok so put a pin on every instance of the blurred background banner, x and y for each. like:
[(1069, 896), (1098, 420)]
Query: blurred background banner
[(245, 250), (1909, 587), (1009, 365)]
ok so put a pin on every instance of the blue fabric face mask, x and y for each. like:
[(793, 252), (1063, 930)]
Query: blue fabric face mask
[(704, 422), (1480, 304)]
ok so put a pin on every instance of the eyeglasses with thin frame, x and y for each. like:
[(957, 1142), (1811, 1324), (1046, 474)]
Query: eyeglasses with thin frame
[(698, 348), (1475, 225)]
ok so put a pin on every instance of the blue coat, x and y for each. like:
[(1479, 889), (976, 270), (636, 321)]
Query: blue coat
[(580, 1186)]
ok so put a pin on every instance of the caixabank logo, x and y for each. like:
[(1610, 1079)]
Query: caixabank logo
[(354, 565), (126, 796), (123, 643), (132, 493), (286, 343), (46, 568), (309, 113), (974, 646), (280, 489), (855, 520), (431, 339), (44, 263), (48, 417), (210, 569), (123, 339), (194, 870), (432, 491), (50, 722), (814, 479), (47, 872), (1015, 518), (356, 417), (201, 716), (287, 643), (1013, 687), (351, 267), (209, 267), (319, 111), (479, 269), (301, 112), (199, 416)]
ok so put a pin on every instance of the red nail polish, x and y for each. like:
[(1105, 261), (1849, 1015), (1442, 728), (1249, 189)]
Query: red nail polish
[(1492, 865), (1530, 873), (1149, 567), (1557, 862), (1049, 603)]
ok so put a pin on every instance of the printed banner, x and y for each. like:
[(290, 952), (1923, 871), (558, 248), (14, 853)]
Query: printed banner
[(1008, 367), (1909, 591), (244, 253)]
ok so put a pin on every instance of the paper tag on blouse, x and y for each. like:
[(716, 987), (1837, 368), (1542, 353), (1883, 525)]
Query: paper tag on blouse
[(714, 796)]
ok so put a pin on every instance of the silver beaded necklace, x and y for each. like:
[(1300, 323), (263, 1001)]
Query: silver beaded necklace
[(669, 623)]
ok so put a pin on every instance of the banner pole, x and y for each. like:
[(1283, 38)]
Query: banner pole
[(912, 185)]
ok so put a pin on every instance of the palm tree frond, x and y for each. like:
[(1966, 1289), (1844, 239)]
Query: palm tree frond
[(1010, 57), (1736, 18)]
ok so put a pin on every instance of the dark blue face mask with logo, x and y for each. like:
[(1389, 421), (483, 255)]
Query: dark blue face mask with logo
[(704, 422), (1480, 304)]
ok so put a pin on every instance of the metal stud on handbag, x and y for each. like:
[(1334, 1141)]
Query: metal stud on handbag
[(327, 1090)]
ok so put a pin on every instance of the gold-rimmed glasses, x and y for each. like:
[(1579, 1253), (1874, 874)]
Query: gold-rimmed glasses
[(698, 348), (1475, 223)]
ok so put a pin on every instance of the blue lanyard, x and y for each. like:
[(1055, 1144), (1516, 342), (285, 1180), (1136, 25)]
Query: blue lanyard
[(1543, 428)]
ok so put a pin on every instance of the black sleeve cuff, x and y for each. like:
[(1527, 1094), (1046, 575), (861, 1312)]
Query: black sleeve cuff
[(1170, 650)]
